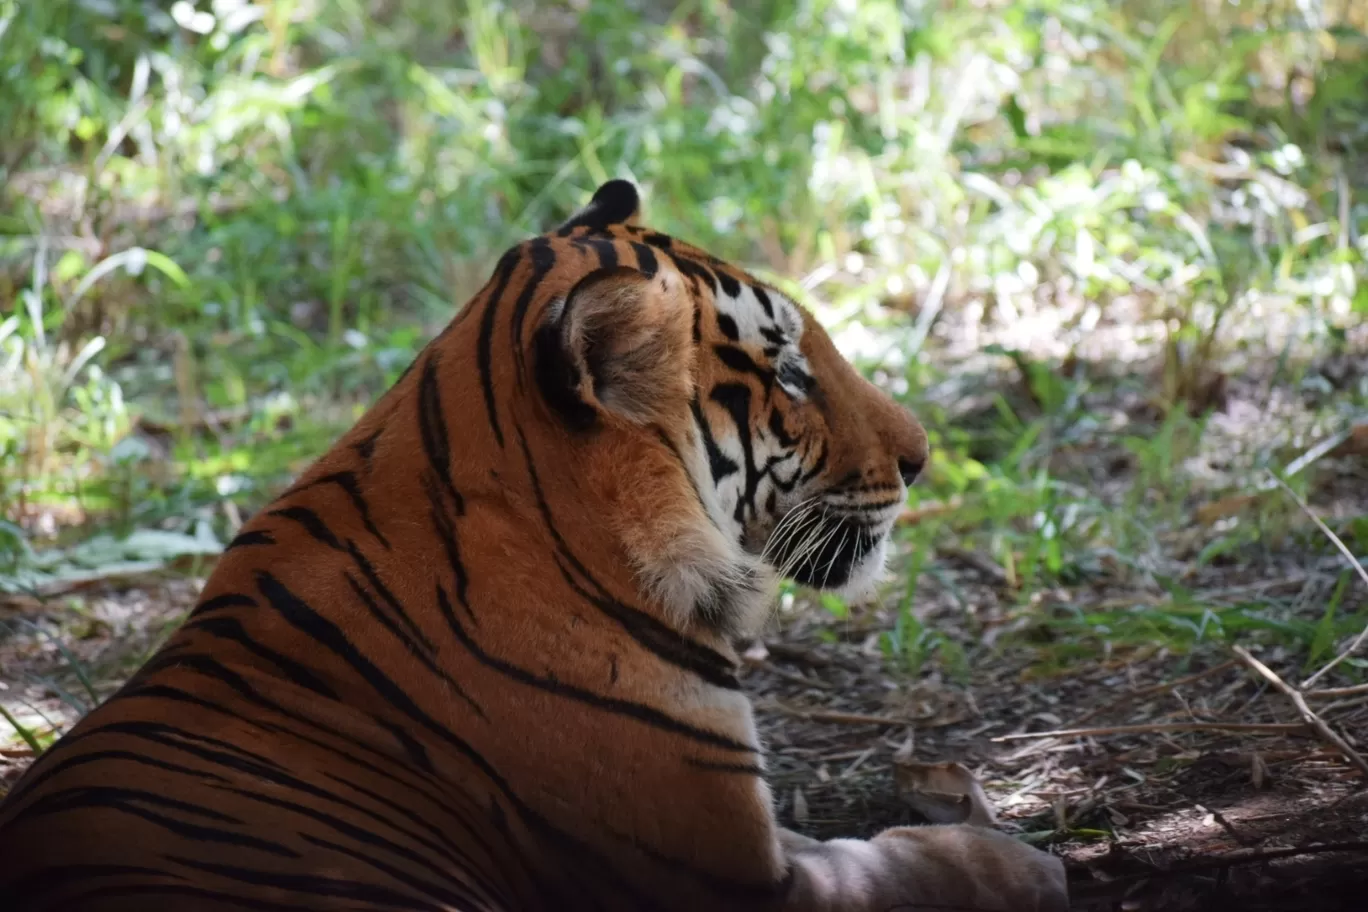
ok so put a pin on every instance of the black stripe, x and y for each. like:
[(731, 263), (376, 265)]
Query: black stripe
[(141, 759), (261, 768), (478, 870), (309, 621), (650, 633), (47, 766), (696, 271), (728, 327), (312, 523), (123, 800), (780, 431), (397, 607), (227, 628), (543, 259), (432, 428), (254, 537), (763, 297), (646, 260), (222, 603), (446, 533), (817, 466), (742, 363), (683, 467), (659, 638), (422, 655), (730, 286), (719, 464), (365, 447), (484, 347), (452, 896), (159, 733), (363, 834), (647, 715), (312, 885), (605, 250), (736, 399), (348, 483), (413, 748)]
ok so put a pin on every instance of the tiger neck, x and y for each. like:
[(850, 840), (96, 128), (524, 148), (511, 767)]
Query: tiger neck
[(618, 501)]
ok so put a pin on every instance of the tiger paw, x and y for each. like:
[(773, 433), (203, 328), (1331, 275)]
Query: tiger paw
[(909, 869), (977, 868)]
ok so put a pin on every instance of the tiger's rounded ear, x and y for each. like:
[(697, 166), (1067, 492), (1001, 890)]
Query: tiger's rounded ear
[(614, 203), (624, 345)]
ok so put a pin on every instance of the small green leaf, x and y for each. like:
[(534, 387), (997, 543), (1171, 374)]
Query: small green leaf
[(834, 605)]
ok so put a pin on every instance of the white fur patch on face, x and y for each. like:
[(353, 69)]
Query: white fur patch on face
[(759, 312), (867, 574)]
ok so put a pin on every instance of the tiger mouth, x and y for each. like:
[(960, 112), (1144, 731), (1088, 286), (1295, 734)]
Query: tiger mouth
[(823, 547)]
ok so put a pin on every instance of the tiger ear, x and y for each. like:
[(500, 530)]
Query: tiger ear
[(624, 342), (614, 203)]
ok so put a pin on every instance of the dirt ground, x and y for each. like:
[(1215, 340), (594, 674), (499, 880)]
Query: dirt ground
[(1192, 820)]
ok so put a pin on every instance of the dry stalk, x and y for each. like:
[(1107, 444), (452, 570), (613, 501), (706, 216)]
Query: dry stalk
[(1330, 693), (1327, 734)]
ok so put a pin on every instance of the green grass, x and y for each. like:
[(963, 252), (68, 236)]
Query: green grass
[(226, 226)]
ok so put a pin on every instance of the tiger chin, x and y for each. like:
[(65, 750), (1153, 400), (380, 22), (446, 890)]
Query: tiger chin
[(480, 655)]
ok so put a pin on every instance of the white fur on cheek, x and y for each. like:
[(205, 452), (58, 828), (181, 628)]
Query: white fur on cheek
[(866, 575)]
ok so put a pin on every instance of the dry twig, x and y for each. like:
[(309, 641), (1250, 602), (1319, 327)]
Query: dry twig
[(1353, 561), (1279, 728), (1330, 693), (1327, 734)]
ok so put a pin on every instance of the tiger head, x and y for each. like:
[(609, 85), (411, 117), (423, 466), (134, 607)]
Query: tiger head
[(786, 462)]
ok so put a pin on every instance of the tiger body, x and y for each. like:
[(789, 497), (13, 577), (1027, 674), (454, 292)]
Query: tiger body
[(479, 656)]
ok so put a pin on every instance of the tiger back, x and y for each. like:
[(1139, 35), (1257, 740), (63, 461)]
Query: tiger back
[(480, 655)]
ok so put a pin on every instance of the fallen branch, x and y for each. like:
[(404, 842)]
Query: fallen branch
[(1327, 734), (1268, 728), (1353, 561)]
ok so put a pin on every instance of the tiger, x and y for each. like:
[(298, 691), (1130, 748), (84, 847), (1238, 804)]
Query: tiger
[(483, 653)]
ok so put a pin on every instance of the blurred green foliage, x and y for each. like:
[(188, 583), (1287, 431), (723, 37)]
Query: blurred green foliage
[(226, 225)]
